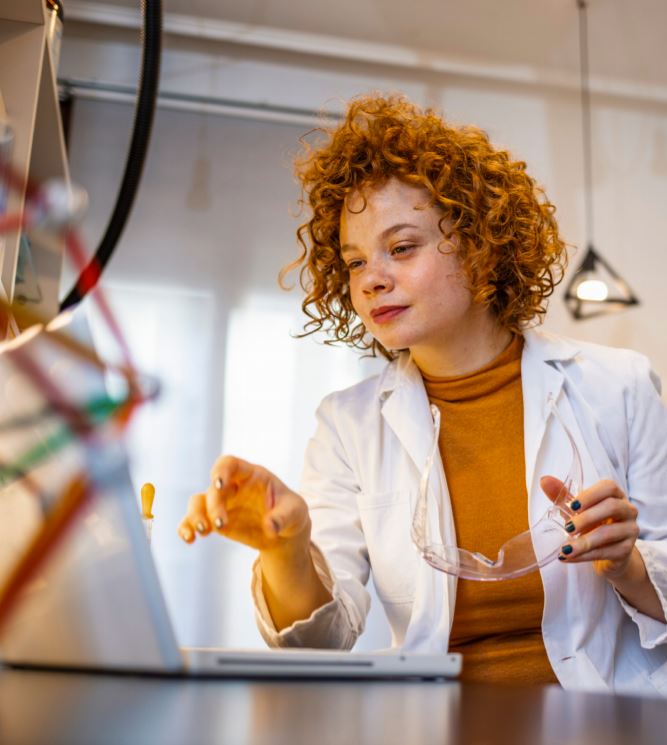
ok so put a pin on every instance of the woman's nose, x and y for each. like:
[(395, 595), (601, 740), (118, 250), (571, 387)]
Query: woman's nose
[(377, 279)]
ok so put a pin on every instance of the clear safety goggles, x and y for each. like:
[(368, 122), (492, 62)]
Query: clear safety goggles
[(524, 553)]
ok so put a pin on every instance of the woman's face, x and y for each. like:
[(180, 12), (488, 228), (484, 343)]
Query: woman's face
[(406, 282)]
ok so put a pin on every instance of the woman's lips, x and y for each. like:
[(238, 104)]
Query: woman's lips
[(388, 314)]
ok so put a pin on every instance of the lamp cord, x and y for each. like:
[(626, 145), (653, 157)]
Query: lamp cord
[(586, 118), (151, 36)]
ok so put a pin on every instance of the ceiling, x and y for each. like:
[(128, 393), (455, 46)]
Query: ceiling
[(627, 39)]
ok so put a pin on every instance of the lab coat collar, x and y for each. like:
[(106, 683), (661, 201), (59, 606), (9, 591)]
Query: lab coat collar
[(547, 347), (539, 344), (401, 390)]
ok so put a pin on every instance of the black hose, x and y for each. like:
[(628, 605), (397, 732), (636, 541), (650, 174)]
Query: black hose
[(143, 122)]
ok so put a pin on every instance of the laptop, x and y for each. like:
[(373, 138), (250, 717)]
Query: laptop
[(96, 602)]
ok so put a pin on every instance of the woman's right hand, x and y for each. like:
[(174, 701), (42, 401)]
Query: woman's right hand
[(248, 504)]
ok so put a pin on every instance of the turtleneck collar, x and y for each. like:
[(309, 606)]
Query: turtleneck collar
[(496, 374)]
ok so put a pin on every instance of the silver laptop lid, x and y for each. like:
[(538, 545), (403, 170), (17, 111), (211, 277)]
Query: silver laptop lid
[(96, 602)]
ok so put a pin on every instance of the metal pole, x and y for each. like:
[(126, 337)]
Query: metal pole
[(586, 119)]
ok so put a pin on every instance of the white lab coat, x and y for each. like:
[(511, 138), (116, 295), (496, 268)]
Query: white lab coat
[(360, 479)]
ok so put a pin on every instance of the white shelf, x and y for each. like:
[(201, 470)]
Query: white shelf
[(29, 89)]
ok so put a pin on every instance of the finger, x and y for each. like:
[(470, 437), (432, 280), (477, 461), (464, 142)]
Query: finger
[(555, 489), (197, 514), (288, 516), (599, 491), (599, 538), (615, 552), (186, 531), (265, 483), (609, 510), (229, 470), (270, 496), (216, 503)]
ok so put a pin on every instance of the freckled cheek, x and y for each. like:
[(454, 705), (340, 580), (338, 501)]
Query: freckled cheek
[(355, 298), (356, 294), (452, 303)]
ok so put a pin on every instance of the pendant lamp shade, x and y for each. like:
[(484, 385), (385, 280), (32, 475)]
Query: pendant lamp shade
[(595, 288)]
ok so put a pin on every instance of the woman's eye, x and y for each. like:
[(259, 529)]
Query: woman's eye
[(402, 249), (354, 264)]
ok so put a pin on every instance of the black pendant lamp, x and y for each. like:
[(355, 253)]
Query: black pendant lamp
[(595, 288)]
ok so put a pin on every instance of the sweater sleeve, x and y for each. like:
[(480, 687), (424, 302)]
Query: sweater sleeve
[(327, 627)]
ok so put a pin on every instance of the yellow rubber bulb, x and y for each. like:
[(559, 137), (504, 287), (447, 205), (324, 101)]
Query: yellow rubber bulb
[(147, 497)]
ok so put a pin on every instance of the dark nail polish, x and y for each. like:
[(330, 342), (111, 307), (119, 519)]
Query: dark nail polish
[(567, 549), (561, 558), (569, 526), (575, 505)]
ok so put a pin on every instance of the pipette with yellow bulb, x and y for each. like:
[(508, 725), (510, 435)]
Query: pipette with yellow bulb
[(147, 497)]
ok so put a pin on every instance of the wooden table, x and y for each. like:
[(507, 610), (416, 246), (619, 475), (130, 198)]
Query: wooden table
[(72, 708)]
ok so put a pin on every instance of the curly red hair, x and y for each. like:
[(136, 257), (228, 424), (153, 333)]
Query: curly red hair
[(507, 236)]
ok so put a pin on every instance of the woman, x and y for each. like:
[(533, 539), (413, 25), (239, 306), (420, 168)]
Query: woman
[(431, 247)]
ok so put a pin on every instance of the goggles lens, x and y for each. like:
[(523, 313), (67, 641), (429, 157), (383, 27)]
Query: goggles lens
[(525, 552)]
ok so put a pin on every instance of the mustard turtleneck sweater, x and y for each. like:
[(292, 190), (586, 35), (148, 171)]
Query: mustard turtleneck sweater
[(497, 625)]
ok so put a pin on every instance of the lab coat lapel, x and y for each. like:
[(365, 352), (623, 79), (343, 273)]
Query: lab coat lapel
[(541, 379), (407, 412)]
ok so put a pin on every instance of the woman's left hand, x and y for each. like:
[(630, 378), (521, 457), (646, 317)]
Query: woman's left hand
[(603, 527), (604, 531)]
